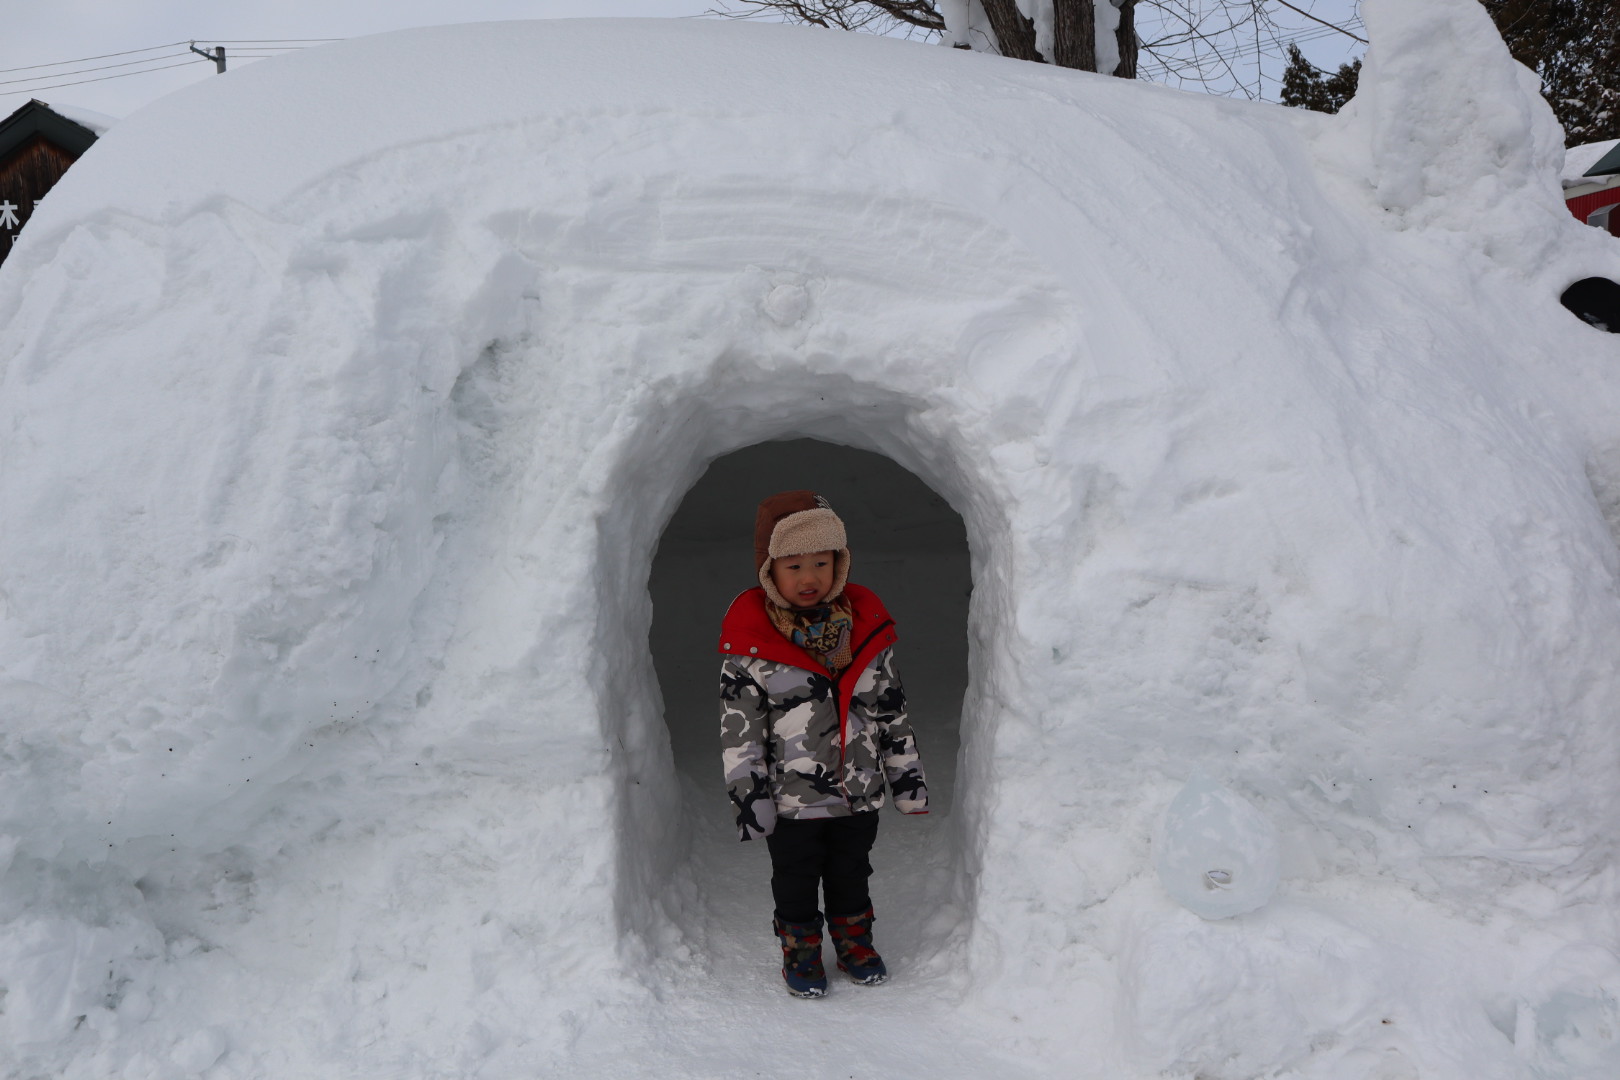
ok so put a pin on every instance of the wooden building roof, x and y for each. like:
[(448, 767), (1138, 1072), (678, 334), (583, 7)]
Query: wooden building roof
[(38, 118), (37, 145)]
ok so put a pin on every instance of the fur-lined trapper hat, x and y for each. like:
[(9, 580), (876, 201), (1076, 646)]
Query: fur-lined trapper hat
[(798, 523)]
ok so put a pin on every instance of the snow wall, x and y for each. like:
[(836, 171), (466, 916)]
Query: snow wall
[(345, 398)]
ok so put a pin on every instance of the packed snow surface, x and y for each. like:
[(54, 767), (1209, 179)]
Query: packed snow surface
[(344, 400)]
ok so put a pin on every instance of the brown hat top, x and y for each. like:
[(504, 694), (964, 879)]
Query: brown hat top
[(798, 523), (772, 511)]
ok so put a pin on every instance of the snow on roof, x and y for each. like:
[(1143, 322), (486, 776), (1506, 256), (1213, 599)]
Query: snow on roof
[(1578, 159), (37, 118), (86, 118)]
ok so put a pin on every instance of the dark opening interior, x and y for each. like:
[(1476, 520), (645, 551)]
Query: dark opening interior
[(906, 543), (1596, 301)]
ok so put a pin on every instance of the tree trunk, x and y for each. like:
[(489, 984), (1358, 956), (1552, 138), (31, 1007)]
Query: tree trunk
[(1074, 34), (1125, 36), (1015, 35)]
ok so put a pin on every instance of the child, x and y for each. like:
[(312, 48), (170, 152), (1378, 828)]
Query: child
[(812, 721)]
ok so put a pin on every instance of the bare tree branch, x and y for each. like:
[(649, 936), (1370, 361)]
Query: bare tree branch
[(1324, 22), (876, 16), (1225, 46), (921, 13)]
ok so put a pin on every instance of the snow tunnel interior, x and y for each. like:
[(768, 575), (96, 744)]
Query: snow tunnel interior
[(908, 544), (1595, 301)]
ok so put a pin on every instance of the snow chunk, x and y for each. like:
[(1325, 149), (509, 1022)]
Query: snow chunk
[(1218, 855), (197, 1052), (52, 972), (1451, 137), (1578, 1033)]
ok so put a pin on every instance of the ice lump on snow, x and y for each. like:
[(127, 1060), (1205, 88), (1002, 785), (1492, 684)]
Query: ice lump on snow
[(1217, 854)]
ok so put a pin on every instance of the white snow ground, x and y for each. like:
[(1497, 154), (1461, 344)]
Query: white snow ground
[(345, 399)]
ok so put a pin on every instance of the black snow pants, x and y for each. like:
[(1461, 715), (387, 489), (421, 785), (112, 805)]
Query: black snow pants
[(822, 855)]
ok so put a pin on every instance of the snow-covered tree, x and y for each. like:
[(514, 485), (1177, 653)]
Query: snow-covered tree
[(1309, 87), (1574, 45)]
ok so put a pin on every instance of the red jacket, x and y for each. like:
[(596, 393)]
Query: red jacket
[(747, 630), (784, 753)]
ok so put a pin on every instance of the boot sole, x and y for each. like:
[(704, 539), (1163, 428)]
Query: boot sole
[(865, 980)]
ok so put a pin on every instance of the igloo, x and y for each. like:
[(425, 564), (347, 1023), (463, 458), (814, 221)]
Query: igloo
[(347, 398)]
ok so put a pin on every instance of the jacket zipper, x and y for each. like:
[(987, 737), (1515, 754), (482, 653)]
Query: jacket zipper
[(838, 697)]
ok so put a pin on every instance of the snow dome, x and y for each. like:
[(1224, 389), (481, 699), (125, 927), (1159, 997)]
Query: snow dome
[(347, 717)]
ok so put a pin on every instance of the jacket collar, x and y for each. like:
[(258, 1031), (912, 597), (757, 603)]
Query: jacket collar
[(748, 631)]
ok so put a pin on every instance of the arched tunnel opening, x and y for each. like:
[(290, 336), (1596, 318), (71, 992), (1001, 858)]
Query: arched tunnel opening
[(908, 545), (1595, 301)]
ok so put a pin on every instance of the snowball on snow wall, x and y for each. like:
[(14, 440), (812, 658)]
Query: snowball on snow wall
[(1216, 854), (344, 398)]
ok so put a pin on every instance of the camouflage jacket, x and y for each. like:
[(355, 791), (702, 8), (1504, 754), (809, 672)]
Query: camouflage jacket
[(797, 741)]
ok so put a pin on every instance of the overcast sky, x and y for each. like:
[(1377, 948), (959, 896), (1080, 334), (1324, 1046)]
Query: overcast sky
[(49, 32)]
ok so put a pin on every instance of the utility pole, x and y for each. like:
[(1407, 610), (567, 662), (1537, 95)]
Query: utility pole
[(217, 56)]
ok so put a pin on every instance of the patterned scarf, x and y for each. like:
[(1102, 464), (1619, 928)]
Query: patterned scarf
[(821, 631)]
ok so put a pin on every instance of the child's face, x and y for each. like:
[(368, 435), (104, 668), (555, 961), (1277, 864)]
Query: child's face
[(804, 580)]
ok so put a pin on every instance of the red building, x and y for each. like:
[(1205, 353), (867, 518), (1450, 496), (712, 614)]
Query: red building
[(1592, 184)]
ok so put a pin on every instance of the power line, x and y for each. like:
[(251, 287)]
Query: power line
[(1184, 38), (1237, 52), (1317, 18), (1194, 68), (265, 49), (86, 71), (86, 59), (102, 78)]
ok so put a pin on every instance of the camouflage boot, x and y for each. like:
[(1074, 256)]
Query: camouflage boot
[(852, 937), (801, 957)]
